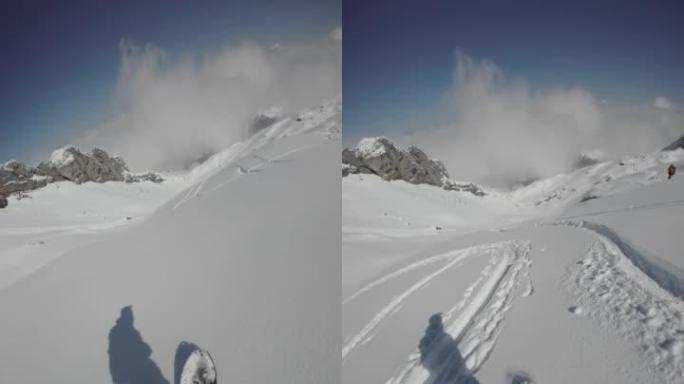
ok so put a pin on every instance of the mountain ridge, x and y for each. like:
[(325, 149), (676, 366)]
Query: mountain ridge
[(382, 157)]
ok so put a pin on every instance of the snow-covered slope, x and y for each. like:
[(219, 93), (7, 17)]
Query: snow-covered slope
[(576, 278), (243, 262)]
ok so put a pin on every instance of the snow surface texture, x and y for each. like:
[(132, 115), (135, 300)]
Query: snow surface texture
[(575, 278), (245, 264)]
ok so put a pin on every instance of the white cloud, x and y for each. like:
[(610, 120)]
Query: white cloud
[(174, 109), (502, 132), (662, 102)]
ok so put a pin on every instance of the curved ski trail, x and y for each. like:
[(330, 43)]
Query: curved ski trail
[(476, 321), (238, 172), (366, 332)]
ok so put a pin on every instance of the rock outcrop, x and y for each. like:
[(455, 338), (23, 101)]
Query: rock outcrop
[(587, 158), (70, 164), (264, 119), (138, 177), (17, 177), (381, 157), (679, 143)]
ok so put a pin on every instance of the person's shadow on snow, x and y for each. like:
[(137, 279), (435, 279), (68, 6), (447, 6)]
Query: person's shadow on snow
[(129, 355), (439, 354)]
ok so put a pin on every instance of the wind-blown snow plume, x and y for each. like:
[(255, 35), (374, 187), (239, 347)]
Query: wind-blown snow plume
[(175, 109), (503, 132)]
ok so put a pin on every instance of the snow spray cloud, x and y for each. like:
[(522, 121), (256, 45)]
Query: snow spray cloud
[(177, 109), (501, 132)]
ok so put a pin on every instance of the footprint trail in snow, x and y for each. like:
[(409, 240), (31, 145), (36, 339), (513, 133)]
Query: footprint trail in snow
[(615, 290)]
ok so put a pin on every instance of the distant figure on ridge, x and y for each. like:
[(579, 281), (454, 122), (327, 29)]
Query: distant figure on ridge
[(671, 171)]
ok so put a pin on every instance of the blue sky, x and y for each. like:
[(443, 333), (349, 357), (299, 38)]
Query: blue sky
[(399, 54), (60, 59)]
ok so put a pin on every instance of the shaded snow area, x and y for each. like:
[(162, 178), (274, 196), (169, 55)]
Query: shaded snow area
[(240, 256), (575, 278)]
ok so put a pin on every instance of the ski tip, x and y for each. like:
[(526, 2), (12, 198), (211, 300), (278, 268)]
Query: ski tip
[(199, 368)]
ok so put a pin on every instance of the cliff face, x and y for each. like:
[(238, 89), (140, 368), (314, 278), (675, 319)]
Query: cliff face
[(67, 163), (382, 157)]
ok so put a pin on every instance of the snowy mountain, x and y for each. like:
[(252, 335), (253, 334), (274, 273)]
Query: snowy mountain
[(380, 156), (68, 163), (239, 256), (575, 278)]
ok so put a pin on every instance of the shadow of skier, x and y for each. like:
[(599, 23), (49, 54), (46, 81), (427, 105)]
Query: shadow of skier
[(439, 354), (129, 355)]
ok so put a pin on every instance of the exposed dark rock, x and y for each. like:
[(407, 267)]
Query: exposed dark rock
[(264, 119), (71, 164), (469, 187), (586, 159), (149, 176), (17, 177), (679, 143), (68, 164), (381, 157), (3, 202)]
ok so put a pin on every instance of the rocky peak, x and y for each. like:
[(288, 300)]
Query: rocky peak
[(382, 157), (68, 163)]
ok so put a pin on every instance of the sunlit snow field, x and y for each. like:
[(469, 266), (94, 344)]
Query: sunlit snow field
[(575, 278), (239, 256)]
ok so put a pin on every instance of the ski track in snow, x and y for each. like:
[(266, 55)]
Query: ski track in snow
[(476, 321), (627, 293), (399, 272), (63, 229), (636, 293), (365, 333), (197, 189), (664, 276)]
